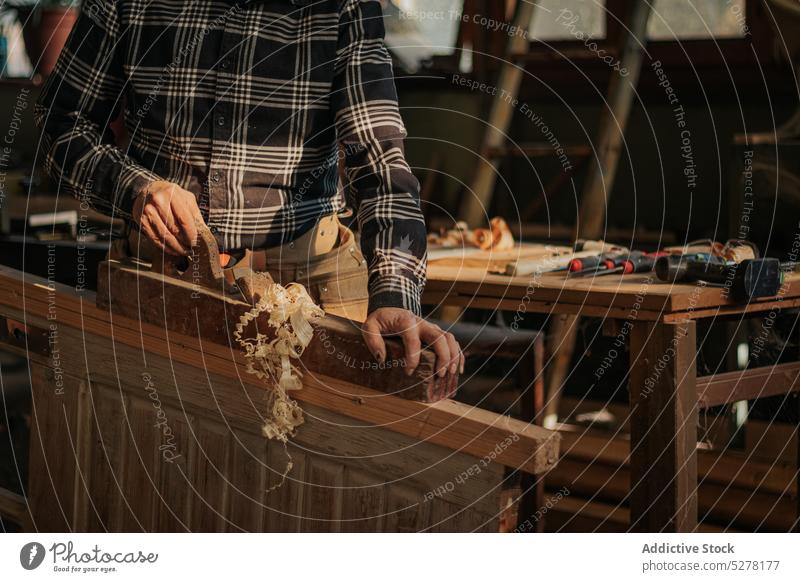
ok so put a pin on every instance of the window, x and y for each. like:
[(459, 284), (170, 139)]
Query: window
[(696, 19), (416, 30), (670, 20), (568, 20)]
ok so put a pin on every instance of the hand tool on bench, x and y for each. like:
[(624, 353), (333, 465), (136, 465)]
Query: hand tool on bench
[(561, 261), (635, 262), (195, 296)]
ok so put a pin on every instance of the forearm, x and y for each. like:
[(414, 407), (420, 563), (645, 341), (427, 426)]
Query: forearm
[(393, 233), (81, 98), (90, 168), (369, 127)]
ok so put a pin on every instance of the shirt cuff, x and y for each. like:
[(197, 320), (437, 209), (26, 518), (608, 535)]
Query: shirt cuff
[(133, 179), (395, 291)]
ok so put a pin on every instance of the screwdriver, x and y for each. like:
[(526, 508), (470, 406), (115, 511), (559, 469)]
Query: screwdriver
[(585, 263), (635, 262)]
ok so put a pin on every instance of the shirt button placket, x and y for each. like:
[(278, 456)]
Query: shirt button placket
[(221, 125)]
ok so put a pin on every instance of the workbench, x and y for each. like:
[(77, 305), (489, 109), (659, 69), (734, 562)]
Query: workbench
[(658, 323), (136, 427)]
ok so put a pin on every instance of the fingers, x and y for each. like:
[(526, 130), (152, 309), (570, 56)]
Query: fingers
[(157, 231), (179, 211), (374, 340), (442, 351), (168, 215), (186, 221), (437, 340), (414, 332), (413, 346), (455, 353)]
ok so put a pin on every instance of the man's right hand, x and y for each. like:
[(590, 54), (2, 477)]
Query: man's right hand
[(167, 215)]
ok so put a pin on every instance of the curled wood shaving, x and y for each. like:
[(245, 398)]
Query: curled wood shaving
[(502, 239), (270, 357), (497, 237)]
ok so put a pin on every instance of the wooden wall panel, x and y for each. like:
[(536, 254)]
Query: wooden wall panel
[(54, 449), (141, 443), (210, 481), (405, 511), (248, 482), (322, 507), (104, 470), (363, 502), (283, 503), (173, 504), (347, 475)]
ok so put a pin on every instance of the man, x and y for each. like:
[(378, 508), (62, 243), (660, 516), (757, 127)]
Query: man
[(237, 112)]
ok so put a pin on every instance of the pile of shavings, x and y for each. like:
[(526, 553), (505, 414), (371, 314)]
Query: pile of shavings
[(271, 357)]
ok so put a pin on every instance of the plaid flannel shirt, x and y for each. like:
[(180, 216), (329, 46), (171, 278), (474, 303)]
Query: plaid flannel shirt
[(250, 105)]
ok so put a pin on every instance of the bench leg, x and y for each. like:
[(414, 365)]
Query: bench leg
[(531, 378), (664, 415), (796, 527)]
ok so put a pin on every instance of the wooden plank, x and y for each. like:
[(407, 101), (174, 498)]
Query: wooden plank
[(605, 292), (732, 309), (364, 502), (581, 515), (54, 449), (323, 496), (105, 474), (248, 483), (532, 305), (748, 384), (138, 486), (619, 292), (445, 423), (718, 503), (730, 468), (173, 506), (405, 512), (127, 289), (283, 503), (664, 416), (210, 486), (364, 444)]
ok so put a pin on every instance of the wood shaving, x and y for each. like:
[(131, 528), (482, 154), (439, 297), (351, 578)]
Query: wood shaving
[(454, 237), (502, 239), (497, 237), (270, 357)]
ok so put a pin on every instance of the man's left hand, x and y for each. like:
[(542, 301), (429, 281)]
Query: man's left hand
[(414, 331)]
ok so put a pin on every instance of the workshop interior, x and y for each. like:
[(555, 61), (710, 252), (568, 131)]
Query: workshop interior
[(598, 333)]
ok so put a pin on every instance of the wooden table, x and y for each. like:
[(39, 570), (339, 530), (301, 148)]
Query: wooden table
[(657, 321)]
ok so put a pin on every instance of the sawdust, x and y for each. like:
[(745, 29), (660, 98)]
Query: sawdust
[(271, 356)]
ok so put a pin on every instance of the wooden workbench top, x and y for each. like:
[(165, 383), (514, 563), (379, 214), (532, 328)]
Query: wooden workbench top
[(604, 296)]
